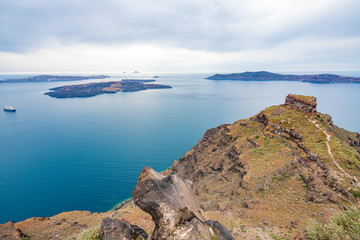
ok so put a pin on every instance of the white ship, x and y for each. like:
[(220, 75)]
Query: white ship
[(9, 109)]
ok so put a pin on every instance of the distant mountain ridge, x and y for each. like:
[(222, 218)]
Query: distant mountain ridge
[(269, 76), (52, 78)]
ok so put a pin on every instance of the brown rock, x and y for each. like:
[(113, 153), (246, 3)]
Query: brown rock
[(170, 202), (167, 199), (306, 104), (114, 229), (10, 231)]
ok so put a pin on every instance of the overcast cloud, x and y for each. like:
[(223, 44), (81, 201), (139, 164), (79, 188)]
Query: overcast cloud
[(178, 35)]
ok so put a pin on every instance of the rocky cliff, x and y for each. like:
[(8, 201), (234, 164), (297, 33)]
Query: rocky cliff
[(282, 167), (264, 177)]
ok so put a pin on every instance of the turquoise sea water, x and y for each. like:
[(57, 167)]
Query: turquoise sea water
[(87, 153)]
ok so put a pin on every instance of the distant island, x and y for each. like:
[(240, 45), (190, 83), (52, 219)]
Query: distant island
[(93, 89), (52, 78), (269, 76), (139, 80)]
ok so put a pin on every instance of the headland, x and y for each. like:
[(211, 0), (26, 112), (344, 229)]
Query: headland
[(269, 76)]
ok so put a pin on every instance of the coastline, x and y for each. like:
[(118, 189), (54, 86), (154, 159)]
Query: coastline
[(121, 204)]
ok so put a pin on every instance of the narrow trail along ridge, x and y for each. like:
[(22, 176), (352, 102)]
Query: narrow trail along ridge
[(328, 136)]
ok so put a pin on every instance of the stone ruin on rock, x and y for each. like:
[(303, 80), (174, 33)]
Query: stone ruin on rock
[(302, 103)]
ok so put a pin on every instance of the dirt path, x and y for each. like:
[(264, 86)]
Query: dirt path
[(328, 136)]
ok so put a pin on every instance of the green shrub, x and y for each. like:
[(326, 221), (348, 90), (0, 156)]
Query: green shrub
[(343, 226), (356, 194)]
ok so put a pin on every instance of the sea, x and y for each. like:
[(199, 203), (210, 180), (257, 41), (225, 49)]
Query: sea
[(61, 155)]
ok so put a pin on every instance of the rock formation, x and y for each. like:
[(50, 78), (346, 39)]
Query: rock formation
[(286, 157), (302, 103), (10, 231), (112, 229), (169, 200)]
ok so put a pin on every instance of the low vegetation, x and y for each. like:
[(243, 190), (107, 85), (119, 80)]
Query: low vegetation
[(91, 234), (343, 226)]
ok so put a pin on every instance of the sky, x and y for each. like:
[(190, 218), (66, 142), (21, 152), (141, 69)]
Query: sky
[(179, 35)]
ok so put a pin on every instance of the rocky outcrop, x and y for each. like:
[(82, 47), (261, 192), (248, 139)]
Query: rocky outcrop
[(351, 138), (322, 182), (113, 229), (302, 103), (10, 231), (169, 200), (219, 229)]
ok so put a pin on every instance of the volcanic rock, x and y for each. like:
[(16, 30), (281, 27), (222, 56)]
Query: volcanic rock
[(169, 200), (10, 231), (113, 229), (303, 103)]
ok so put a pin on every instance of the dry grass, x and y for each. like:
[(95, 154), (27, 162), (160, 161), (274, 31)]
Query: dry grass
[(343, 226), (90, 234)]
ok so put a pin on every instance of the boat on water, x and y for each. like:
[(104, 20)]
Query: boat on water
[(9, 109)]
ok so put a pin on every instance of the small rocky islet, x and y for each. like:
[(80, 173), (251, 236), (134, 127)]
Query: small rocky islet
[(264, 177)]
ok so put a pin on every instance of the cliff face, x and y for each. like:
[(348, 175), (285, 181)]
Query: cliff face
[(264, 177), (282, 167)]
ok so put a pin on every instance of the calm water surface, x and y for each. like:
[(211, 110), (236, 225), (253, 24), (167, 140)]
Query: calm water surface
[(87, 153)]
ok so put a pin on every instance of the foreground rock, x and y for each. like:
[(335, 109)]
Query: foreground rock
[(169, 200), (115, 229)]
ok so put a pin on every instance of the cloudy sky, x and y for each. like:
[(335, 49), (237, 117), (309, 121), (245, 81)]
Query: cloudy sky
[(178, 35)]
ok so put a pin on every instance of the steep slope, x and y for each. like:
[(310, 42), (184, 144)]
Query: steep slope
[(274, 171)]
